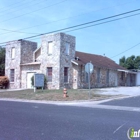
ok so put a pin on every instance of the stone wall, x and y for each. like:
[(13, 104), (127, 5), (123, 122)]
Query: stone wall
[(95, 82), (57, 60), (75, 77), (121, 78), (52, 60), (23, 54), (113, 78), (65, 60), (126, 79), (27, 50), (13, 63)]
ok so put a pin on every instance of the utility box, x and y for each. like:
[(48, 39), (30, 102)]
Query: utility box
[(38, 80)]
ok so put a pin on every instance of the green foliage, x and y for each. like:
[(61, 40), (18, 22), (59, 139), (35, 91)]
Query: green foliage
[(32, 80), (132, 62), (2, 61)]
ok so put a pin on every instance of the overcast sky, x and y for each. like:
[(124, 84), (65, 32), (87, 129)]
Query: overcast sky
[(32, 17)]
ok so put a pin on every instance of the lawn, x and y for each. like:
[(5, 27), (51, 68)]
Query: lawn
[(54, 95)]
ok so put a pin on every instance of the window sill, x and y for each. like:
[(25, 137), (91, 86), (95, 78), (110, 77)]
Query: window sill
[(66, 82)]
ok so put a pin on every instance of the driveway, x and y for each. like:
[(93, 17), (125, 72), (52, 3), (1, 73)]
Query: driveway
[(121, 91)]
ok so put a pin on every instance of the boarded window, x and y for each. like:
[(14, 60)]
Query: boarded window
[(65, 74), (13, 53), (12, 75), (50, 47), (49, 74), (98, 76), (67, 48)]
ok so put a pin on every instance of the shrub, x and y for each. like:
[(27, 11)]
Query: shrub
[(4, 81), (45, 81)]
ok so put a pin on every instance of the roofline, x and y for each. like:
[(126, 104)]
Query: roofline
[(127, 71)]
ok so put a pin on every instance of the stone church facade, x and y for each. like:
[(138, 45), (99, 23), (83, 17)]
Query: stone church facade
[(63, 66)]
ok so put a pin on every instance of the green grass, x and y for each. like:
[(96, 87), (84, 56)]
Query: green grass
[(54, 95)]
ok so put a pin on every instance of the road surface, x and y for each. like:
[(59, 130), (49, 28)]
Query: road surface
[(34, 121)]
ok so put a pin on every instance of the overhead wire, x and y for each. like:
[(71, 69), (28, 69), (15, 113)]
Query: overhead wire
[(126, 50), (104, 22), (10, 31), (11, 5), (33, 11), (71, 27), (20, 6), (81, 27), (89, 23)]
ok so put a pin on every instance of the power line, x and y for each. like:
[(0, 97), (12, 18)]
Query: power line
[(13, 4), (17, 31), (126, 50), (104, 22), (86, 24), (82, 27), (78, 26), (33, 11), (10, 31), (19, 9)]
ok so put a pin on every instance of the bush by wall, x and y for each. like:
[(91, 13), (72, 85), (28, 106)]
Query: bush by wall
[(4, 81)]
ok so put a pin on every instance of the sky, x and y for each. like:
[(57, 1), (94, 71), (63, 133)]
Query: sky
[(21, 19)]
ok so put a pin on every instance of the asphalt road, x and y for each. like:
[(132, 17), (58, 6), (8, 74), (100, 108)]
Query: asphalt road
[(31, 121), (129, 102)]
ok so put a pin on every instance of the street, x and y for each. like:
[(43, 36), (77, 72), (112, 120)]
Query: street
[(34, 121)]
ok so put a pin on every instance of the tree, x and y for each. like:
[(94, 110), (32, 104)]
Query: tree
[(2, 61), (132, 62), (122, 61)]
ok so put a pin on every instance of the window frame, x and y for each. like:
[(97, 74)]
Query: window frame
[(66, 74), (50, 46), (67, 48), (12, 75), (13, 54), (49, 74)]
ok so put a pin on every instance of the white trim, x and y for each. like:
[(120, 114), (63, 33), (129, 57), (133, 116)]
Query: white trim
[(13, 54), (127, 71), (35, 52), (28, 79), (74, 62), (33, 63), (50, 48)]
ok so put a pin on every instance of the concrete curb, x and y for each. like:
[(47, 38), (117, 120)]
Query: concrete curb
[(76, 102)]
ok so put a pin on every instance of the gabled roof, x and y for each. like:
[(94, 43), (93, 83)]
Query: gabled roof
[(96, 60)]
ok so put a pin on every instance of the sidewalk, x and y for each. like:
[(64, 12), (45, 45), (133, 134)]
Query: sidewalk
[(121, 91), (4, 90)]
